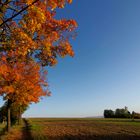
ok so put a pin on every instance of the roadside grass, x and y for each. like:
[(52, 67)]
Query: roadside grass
[(36, 130), (2, 126), (14, 134)]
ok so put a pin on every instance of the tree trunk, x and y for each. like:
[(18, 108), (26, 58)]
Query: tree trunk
[(9, 116), (19, 117)]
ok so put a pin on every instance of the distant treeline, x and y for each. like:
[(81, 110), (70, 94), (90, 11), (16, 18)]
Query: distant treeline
[(121, 113)]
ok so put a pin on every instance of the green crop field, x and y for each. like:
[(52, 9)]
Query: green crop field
[(75, 129)]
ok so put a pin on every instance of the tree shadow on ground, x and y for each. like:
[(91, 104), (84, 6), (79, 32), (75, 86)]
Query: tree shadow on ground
[(26, 131)]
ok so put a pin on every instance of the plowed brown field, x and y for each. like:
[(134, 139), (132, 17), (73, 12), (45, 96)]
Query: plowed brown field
[(77, 129)]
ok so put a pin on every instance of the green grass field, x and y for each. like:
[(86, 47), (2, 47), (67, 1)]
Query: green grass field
[(75, 129)]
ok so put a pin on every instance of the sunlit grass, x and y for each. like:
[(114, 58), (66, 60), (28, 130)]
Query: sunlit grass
[(1, 126)]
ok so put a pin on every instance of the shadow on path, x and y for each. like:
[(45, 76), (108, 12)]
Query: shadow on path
[(26, 131)]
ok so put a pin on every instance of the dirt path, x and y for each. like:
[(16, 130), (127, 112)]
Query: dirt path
[(26, 131)]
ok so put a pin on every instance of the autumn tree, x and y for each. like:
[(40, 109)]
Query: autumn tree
[(31, 37), (21, 84)]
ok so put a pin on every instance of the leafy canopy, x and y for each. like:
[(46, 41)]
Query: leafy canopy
[(30, 38)]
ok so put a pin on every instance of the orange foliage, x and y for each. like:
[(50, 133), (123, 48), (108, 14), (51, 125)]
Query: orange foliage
[(34, 40), (38, 33), (21, 82)]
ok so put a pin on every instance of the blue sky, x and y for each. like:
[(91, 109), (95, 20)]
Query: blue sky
[(105, 72)]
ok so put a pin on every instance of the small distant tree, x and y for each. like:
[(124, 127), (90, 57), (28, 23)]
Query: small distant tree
[(135, 115), (108, 113), (122, 113), (132, 116), (118, 113)]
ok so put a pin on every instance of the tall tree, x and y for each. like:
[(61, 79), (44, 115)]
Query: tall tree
[(21, 83), (31, 37)]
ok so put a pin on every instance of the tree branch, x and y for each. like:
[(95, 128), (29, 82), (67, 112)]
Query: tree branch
[(18, 13)]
